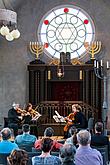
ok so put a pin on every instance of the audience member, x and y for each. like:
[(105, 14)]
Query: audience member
[(67, 153), (45, 158), (18, 157), (98, 139), (6, 146), (85, 154), (25, 138), (48, 133), (72, 139)]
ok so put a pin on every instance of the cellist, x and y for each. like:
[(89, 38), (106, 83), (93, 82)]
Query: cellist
[(75, 118)]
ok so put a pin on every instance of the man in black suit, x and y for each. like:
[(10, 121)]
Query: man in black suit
[(98, 139), (14, 118)]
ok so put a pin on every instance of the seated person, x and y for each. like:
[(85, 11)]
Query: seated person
[(28, 117), (72, 139), (67, 153), (6, 146), (33, 113), (98, 139), (18, 157), (85, 155), (48, 133), (75, 118), (25, 138), (14, 119), (45, 158)]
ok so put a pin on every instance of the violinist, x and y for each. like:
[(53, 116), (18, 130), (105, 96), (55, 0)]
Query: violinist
[(13, 118), (75, 118), (28, 117), (33, 113)]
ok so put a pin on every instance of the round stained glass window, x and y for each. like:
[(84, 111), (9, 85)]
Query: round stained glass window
[(65, 29)]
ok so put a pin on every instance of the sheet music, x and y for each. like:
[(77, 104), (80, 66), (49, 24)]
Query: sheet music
[(55, 117), (58, 114), (59, 118), (36, 117)]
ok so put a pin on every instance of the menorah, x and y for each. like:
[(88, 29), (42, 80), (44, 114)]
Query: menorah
[(36, 48), (101, 72), (93, 48)]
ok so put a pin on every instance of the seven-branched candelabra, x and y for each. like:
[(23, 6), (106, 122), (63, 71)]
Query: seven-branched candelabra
[(36, 48)]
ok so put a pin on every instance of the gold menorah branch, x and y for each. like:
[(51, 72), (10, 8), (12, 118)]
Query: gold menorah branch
[(93, 48), (36, 48)]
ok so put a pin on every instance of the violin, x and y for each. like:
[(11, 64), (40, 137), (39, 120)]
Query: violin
[(21, 111), (35, 115)]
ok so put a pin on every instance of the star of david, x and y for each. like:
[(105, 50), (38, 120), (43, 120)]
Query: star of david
[(66, 33)]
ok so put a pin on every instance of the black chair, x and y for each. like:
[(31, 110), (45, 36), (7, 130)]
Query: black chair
[(91, 124), (26, 147), (104, 158), (3, 158), (5, 122), (36, 150)]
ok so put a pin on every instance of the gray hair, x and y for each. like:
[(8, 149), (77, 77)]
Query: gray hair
[(6, 133), (84, 137), (67, 153)]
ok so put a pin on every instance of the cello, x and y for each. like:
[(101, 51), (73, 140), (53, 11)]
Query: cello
[(70, 121)]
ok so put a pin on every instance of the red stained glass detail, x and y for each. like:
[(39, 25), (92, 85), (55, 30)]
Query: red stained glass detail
[(46, 22), (46, 45), (66, 10), (86, 21)]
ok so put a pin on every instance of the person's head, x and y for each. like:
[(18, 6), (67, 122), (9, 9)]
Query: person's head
[(84, 137), (76, 108), (15, 106), (72, 130), (18, 156), (98, 127), (6, 133), (67, 153), (72, 133), (26, 128), (29, 107), (46, 144), (48, 132)]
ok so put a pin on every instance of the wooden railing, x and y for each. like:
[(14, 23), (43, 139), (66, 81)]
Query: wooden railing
[(47, 109)]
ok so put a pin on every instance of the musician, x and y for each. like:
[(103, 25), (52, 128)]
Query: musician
[(75, 118), (33, 113), (31, 118), (14, 118), (28, 117)]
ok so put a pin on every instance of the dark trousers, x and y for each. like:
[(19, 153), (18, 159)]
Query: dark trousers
[(14, 126)]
